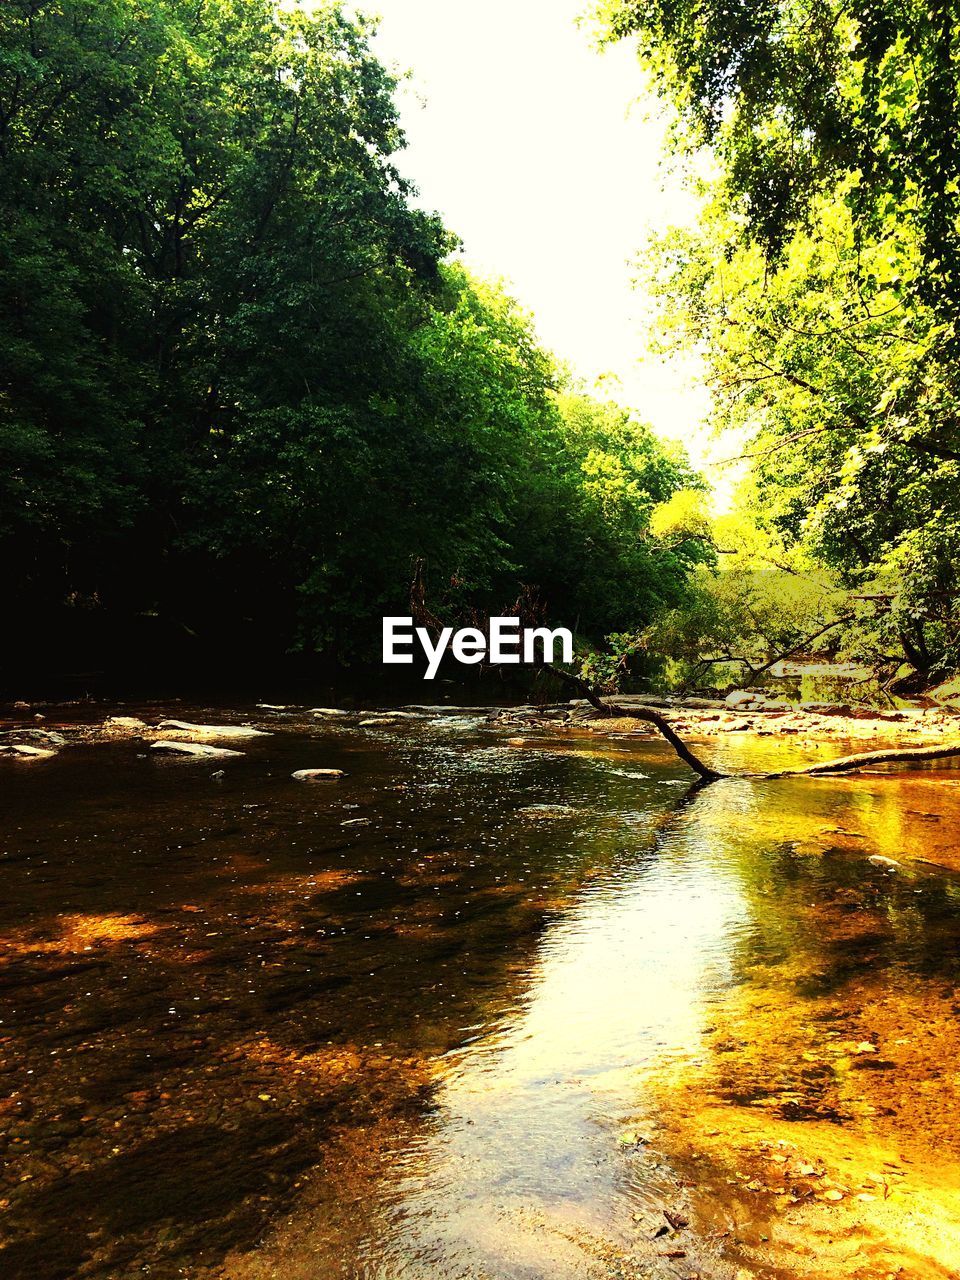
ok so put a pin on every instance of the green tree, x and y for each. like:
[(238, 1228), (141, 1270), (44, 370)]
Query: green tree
[(242, 385), (798, 98), (205, 249), (823, 283)]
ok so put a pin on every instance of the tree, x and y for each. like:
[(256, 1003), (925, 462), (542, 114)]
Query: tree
[(823, 285), (202, 232), (242, 385), (844, 384), (802, 100)]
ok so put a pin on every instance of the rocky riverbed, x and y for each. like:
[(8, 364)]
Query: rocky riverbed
[(39, 731)]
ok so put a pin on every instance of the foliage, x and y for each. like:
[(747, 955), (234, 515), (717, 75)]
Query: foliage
[(599, 554), (799, 98), (845, 383), (824, 287), (763, 601), (241, 387)]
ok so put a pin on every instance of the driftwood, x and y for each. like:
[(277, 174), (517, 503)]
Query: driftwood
[(666, 730), (660, 722), (887, 755)]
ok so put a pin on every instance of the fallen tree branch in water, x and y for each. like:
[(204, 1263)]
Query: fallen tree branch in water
[(887, 755), (660, 722), (843, 764), (667, 731)]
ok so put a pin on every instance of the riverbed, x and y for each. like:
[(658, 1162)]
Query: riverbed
[(484, 1008)]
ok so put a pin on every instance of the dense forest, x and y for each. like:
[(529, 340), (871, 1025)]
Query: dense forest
[(246, 386)]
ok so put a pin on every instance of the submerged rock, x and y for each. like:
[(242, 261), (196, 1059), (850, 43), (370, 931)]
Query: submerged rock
[(203, 749), (545, 812), (879, 860), (318, 775), (214, 730), (25, 751), (41, 737)]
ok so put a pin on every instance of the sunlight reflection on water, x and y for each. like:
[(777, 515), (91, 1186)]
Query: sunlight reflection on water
[(523, 1134)]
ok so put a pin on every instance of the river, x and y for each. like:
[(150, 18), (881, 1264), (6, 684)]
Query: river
[(477, 1011)]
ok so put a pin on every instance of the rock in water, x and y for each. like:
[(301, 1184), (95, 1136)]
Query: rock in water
[(201, 749), (318, 775), (25, 752), (740, 699), (214, 730), (38, 737), (545, 812)]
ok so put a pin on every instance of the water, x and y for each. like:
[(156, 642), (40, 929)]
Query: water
[(537, 999)]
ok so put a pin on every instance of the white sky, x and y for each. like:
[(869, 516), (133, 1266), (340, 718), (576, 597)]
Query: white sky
[(545, 157)]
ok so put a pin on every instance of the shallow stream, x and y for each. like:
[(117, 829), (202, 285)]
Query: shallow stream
[(478, 1011)]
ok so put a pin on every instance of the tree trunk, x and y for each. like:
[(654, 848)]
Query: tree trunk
[(643, 713)]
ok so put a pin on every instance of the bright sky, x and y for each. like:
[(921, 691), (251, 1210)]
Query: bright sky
[(545, 157)]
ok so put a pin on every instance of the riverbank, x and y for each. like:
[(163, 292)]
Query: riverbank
[(704, 718), (36, 730)]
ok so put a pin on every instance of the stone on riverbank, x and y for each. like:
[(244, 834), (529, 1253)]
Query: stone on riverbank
[(740, 699)]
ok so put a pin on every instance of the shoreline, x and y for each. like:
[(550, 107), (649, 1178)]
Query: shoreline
[(28, 732)]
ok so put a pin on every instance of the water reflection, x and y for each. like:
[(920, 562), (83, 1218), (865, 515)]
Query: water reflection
[(523, 1162)]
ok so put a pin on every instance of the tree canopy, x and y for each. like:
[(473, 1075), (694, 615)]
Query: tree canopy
[(244, 385), (822, 284)]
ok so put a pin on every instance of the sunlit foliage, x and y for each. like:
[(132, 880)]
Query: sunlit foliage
[(823, 285)]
